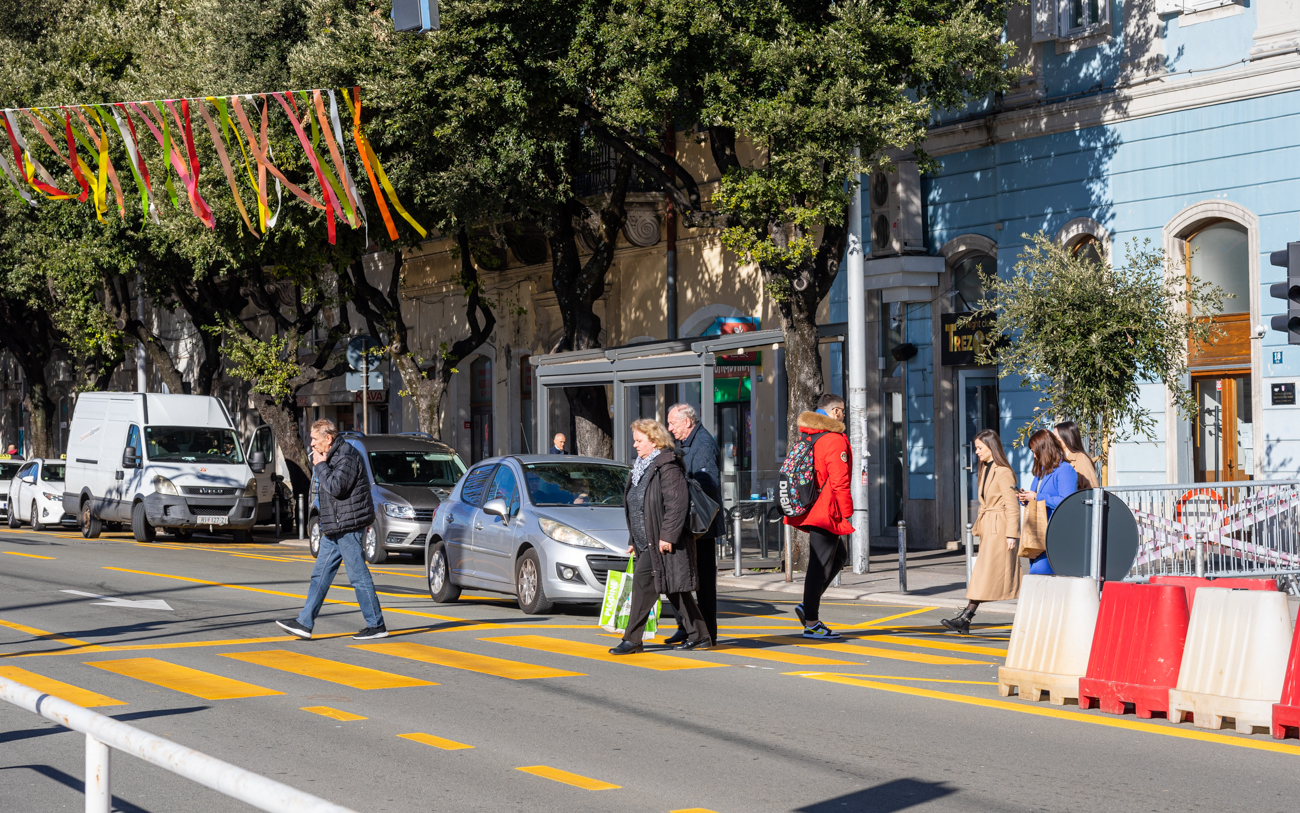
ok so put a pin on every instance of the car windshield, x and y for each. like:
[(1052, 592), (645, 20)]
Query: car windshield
[(575, 484), (9, 470), (53, 472), (415, 469), (192, 444)]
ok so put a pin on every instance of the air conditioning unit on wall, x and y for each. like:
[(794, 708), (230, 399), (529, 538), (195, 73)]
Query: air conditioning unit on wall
[(895, 197)]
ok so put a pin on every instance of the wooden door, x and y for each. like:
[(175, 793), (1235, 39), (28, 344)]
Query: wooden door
[(1223, 429)]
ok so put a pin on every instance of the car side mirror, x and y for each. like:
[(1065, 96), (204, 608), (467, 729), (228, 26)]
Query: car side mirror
[(257, 462), (497, 508), (129, 458), (29, 479)]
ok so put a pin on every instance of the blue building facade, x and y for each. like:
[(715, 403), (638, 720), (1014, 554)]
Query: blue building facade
[(1171, 122)]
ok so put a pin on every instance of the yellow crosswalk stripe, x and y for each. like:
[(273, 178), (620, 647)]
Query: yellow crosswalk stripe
[(693, 810), (183, 679), (500, 667), (780, 657), (895, 655), (346, 674), (334, 714), (600, 652), (861, 680), (28, 555), (970, 649), (83, 646), (436, 742), (65, 691), (557, 775)]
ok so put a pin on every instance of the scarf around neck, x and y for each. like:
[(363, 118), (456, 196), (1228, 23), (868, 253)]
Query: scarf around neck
[(642, 464)]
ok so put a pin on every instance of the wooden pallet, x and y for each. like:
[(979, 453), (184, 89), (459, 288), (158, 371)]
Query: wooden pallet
[(1209, 711), (1031, 685)]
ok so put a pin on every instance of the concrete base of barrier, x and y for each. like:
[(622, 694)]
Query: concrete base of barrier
[(1050, 638), (1210, 710)]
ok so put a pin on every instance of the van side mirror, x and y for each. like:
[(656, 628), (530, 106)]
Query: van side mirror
[(496, 508), (129, 458), (257, 462)]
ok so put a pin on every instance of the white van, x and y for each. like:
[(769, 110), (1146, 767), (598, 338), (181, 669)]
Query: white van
[(158, 461)]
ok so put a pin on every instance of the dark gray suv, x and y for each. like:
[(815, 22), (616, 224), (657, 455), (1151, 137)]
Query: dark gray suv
[(410, 475)]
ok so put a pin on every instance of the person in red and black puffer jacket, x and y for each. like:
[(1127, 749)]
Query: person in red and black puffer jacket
[(829, 518)]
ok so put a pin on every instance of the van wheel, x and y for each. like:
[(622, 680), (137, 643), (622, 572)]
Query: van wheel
[(375, 553), (438, 573), (140, 527), (91, 525), (313, 537), (36, 518), (528, 584)]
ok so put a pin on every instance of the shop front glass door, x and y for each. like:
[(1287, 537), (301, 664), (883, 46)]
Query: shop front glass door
[(978, 411), (1223, 430)]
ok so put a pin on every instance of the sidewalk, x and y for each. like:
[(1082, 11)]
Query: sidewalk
[(934, 579)]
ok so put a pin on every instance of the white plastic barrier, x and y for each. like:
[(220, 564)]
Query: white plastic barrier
[(1235, 659), (105, 732), (1051, 638)]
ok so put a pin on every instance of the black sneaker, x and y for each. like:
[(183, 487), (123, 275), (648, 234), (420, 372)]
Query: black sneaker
[(372, 632), (798, 611), (294, 628)]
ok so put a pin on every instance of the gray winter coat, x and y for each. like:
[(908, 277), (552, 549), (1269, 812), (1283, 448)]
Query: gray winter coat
[(667, 509), (344, 489)]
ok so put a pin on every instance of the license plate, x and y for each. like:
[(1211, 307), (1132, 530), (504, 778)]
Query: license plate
[(211, 519)]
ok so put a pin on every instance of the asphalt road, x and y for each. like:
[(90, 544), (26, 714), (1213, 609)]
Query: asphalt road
[(474, 706)]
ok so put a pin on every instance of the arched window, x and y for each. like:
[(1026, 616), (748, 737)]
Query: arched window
[(1086, 239), (966, 280), (1089, 248), (1220, 253)]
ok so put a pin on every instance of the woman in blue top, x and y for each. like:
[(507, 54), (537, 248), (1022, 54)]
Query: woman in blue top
[(1054, 480)]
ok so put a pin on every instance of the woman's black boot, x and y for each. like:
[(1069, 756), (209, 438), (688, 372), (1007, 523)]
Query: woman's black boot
[(960, 624)]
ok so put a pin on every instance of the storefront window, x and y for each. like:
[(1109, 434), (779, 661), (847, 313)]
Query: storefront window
[(480, 408)]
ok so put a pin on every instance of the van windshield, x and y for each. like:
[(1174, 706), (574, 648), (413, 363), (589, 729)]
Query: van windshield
[(192, 444)]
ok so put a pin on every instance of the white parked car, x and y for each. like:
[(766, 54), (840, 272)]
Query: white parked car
[(36, 495), (9, 467)]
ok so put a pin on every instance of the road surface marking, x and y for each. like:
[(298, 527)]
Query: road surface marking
[(896, 617), (567, 778), (944, 645), (896, 655), (1171, 730), (262, 557), (355, 677), (436, 742), (693, 810), (128, 603), (793, 658), (80, 645), (72, 694), (334, 714), (513, 670), (397, 573), (600, 652), (28, 555), (183, 679), (855, 678)]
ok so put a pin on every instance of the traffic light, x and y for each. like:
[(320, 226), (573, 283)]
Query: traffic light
[(1288, 258), (415, 16)]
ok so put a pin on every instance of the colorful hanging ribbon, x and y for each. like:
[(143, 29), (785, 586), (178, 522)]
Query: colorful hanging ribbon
[(353, 193), (261, 154), (326, 192), (191, 180), (138, 169), (373, 168), (106, 171), (225, 165), (36, 175)]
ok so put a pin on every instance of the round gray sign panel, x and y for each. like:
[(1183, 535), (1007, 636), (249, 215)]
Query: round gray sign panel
[(1069, 537), (357, 347)]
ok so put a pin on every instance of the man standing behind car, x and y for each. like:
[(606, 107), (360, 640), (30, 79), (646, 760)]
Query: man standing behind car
[(699, 454), (346, 510)]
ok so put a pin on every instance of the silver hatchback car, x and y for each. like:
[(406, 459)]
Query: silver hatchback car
[(544, 528)]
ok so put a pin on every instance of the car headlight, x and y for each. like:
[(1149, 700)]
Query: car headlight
[(164, 486), (399, 511), (47, 495), (569, 536), (250, 490)]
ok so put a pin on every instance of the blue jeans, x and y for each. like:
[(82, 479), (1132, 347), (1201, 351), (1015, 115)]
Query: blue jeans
[(345, 549), (1039, 566)]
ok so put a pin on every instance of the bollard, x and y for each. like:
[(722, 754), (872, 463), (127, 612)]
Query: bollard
[(1200, 554), (902, 556), (787, 536), (99, 797), (735, 542), (970, 565), (278, 527), (302, 516)]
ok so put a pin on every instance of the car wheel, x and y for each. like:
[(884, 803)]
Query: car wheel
[(14, 521), (140, 527), (36, 518), (91, 525), (375, 553), (528, 584), (438, 574), (313, 536)]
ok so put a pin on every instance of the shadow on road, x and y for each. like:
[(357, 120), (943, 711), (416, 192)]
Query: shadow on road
[(899, 794), (29, 733), (120, 805)]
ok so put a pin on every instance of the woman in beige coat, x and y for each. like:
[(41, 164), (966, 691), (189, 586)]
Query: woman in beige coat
[(997, 568), (1067, 432)]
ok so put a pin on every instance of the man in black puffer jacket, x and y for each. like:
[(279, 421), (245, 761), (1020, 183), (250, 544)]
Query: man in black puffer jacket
[(346, 510)]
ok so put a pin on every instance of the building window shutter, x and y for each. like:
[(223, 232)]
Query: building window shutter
[(1045, 19)]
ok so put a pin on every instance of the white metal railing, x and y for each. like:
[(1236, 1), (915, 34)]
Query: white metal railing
[(104, 732)]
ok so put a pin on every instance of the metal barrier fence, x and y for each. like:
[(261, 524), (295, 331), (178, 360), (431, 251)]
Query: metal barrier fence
[(1241, 528), (103, 733)]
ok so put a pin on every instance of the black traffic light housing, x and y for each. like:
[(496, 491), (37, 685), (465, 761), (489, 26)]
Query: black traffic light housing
[(1288, 258)]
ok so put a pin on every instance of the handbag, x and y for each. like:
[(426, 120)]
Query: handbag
[(1033, 536), (703, 508), (616, 607)]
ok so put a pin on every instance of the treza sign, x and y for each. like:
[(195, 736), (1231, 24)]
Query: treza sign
[(963, 341)]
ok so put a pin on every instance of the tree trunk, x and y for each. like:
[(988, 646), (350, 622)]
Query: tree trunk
[(39, 409), (803, 363)]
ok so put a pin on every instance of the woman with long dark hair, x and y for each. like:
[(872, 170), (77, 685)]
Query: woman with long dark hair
[(1068, 433), (996, 576), (1054, 480)]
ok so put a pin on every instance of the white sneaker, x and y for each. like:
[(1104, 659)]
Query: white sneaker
[(820, 631)]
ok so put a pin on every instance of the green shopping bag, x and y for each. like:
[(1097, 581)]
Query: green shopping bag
[(617, 605)]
